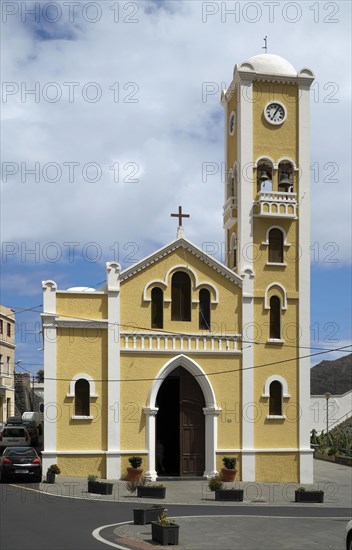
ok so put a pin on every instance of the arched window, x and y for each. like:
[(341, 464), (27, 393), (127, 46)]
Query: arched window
[(181, 297), (275, 314), (157, 308), (285, 175), (204, 309), (233, 251), (82, 397), (276, 246), (275, 398), (264, 176)]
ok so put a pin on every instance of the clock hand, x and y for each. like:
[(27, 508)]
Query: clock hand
[(276, 112)]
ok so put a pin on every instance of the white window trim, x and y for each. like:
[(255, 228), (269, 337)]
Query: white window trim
[(275, 341), (275, 417), (78, 417), (277, 264), (282, 298), (85, 377), (276, 378)]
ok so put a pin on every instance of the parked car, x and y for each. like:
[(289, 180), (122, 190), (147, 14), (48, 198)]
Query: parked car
[(13, 421), (20, 461), (32, 429), (14, 436)]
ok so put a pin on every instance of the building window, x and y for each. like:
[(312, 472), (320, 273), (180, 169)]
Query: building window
[(275, 313), (285, 182), (157, 308), (82, 397), (8, 329), (1, 326), (181, 297), (275, 398), (204, 309), (276, 246), (1, 363), (8, 364), (264, 177)]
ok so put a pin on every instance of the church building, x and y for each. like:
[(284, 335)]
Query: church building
[(183, 353)]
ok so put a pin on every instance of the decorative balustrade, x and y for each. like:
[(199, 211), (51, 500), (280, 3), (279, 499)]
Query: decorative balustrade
[(229, 210), (192, 343), (276, 204)]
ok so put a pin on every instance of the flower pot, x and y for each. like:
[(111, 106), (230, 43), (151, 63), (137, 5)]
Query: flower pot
[(236, 495), (228, 474), (142, 516), (165, 534), (134, 474), (309, 496), (50, 477), (99, 487), (151, 492)]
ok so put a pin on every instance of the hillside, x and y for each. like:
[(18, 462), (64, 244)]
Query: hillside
[(332, 376)]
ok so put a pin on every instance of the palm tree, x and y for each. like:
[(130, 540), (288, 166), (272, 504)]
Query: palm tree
[(40, 376)]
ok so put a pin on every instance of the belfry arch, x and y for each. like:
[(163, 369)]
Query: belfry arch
[(210, 411)]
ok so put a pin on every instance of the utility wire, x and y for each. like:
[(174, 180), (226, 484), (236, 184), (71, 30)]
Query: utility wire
[(215, 373)]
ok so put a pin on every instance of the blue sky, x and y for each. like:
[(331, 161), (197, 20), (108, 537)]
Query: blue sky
[(120, 127)]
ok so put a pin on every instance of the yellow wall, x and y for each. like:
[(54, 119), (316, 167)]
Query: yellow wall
[(267, 274), (81, 351), (82, 465), (283, 467), (135, 312), (276, 433), (277, 141), (86, 306)]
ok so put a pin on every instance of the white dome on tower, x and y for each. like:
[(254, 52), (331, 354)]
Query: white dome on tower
[(268, 63)]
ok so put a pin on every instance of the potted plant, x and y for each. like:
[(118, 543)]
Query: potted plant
[(228, 473), (164, 530), (142, 516), (134, 472), (311, 495), (222, 493), (98, 487), (52, 471), (151, 491)]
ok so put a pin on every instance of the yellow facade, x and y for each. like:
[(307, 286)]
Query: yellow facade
[(213, 389)]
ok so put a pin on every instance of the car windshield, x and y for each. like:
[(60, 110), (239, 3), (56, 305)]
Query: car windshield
[(13, 432), (21, 451)]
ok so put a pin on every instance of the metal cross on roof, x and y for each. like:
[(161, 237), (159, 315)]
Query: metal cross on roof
[(265, 47), (180, 216)]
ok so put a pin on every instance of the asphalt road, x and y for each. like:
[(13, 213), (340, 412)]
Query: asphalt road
[(35, 521)]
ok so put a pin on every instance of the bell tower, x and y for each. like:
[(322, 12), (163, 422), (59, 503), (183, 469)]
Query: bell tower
[(267, 236)]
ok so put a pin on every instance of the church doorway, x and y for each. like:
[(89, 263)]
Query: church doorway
[(180, 426)]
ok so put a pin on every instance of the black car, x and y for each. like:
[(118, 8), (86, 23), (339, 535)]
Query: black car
[(17, 462)]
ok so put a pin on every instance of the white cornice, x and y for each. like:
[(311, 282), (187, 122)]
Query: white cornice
[(189, 247)]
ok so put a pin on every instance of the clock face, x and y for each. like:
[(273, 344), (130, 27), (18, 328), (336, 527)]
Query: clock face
[(232, 123), (275, 113)]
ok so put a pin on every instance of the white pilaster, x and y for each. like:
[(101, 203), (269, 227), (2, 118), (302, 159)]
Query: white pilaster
[(113, 455), (306, 461), (211, 440), (245, 261), (51, 412), (150, 413)]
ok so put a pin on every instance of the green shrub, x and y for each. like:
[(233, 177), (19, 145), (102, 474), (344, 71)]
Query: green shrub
[(215, 483), (135, 461), (229, 462)]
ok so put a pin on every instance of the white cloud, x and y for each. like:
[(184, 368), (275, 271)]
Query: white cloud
[(163, 138)]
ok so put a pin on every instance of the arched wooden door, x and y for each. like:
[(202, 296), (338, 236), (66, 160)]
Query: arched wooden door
[(180, 426), (192, 426)]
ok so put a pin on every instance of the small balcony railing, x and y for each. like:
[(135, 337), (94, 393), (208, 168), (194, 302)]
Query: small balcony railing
[(275, 204)]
